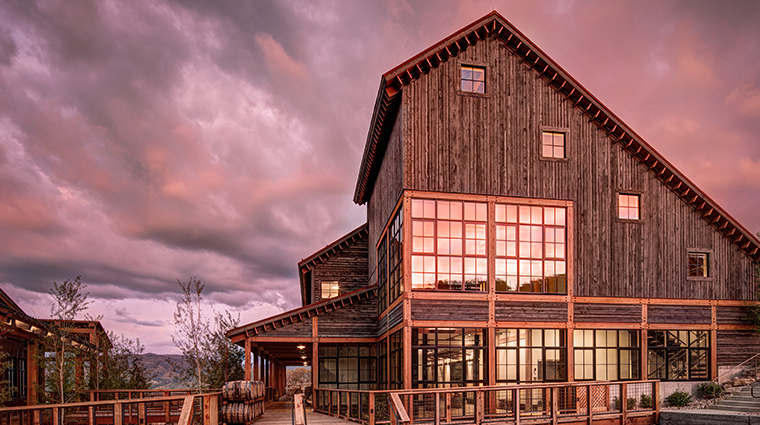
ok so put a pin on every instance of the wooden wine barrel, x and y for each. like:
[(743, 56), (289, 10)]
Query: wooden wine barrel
[(259, 389), (238, 391), (237, 413)]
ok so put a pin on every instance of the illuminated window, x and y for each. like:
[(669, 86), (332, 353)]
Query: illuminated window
[(473, 79), (678, 355), (449, 357), (530, 355), (629, 206), (698, 264), (606, 355), (553, 144), (330, 289), (449, 245), (530, 249)]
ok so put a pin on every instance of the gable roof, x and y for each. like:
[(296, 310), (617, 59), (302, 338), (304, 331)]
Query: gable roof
[(304, 313), (495, 26), (322, 255)]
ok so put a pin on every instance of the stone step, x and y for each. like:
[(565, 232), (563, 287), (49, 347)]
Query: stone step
[(737, 403), (735, 409)]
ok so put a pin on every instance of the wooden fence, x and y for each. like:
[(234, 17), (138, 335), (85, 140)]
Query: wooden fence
[(567, 403), (195, 409)]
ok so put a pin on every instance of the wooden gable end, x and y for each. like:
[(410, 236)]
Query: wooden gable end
[(491, 144), (344, 261)]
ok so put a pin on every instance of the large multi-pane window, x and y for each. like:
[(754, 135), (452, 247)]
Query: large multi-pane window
[(678, 355), (390, 270), (606, 355), (531, 248), (530, 355), (396, 357), (449, 245), (449, 357), (352, 367), (382, 364)]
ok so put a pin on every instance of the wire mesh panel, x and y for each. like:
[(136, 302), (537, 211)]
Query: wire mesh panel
[(382, 414), (572, 401), (605, 398), (355, 406), (535, 403), (423, 406), (499, 405), (640, 396)]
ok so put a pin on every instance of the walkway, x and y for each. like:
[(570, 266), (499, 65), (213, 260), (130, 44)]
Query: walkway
[(278, 413)]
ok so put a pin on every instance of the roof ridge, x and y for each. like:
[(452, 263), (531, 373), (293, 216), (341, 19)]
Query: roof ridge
[(494, 25)]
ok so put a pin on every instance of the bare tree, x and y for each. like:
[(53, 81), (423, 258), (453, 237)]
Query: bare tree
[(209, 359)]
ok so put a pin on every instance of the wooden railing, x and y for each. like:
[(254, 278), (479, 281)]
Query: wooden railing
[(584, 402), (195, 409)]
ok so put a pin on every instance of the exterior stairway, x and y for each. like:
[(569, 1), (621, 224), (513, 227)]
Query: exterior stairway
[(741, 401)]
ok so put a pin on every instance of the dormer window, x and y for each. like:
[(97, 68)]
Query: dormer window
[(473, 79)]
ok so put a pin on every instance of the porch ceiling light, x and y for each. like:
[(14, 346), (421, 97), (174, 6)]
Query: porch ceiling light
[(301, 347), (303, 357)]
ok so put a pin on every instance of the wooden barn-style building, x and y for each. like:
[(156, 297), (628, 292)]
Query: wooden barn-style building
[(20, 338), (517, 231)]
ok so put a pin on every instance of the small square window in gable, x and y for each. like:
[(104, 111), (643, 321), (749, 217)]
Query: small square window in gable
[(629, 206), (330, 289), (473, 79), (553, 144), (698, 264)]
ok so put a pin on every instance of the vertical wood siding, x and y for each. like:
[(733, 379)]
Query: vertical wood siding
[(387, 189), (490, 144)]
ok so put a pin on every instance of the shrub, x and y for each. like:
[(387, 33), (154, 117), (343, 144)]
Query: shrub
[(645, 402), (709, 390), (679, 398), (630, 405)]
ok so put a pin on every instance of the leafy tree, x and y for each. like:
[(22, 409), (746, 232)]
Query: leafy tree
[(299, 377), (752, 311), (226, 359), (57, 353), (209, 359), (123, 368), (6, 390)]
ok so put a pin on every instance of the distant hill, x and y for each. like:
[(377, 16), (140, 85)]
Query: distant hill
[(157, 363)]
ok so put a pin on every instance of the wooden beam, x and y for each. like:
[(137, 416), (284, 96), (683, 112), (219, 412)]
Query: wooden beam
[(570, 94), (579, 99), (613, 130), (595, 115)]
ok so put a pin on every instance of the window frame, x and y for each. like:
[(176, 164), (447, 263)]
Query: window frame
[(471, 64), (671, 351), (634, 350), (620, 193), (517, 349), (556, 130), (336, 288), (710, 265)]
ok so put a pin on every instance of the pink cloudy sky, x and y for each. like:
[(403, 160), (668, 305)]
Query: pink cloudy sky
[(147, 141)]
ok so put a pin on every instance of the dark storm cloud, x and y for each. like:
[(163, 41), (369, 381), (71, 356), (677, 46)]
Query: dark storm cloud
[(143, 142)]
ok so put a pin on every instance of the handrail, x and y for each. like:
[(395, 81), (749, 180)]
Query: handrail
[(209, 403), (486, 403), (400, 415), (717, 378)]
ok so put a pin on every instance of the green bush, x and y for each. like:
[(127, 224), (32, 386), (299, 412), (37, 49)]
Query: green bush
[(679, 398), (645, 402), (631, 404), (709, 390)]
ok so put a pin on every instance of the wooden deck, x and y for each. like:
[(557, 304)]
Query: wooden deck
[(278, 413)]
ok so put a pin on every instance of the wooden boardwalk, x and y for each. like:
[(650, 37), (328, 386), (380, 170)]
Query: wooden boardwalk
[(278, 413)]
